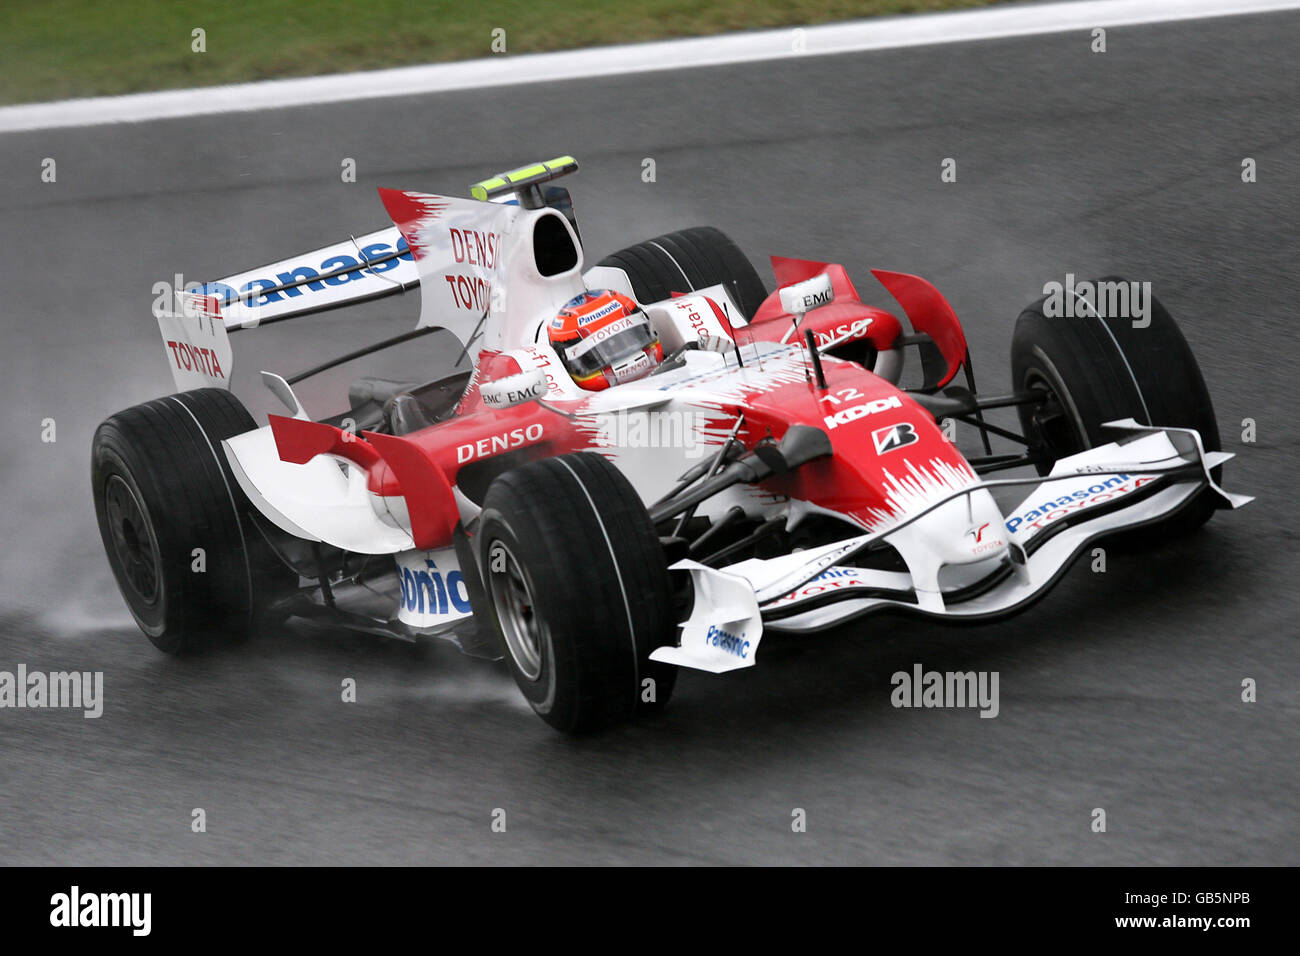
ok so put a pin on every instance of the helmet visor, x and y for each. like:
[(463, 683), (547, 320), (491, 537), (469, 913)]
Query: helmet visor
[(607, 347)]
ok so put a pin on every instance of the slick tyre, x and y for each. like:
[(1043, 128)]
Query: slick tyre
[(579, 591), (686, 261), (192, 567), (1098, 369)]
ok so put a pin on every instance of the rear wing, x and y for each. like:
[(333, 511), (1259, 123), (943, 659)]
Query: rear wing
[(451, 246), (358, 269), (379, 263)]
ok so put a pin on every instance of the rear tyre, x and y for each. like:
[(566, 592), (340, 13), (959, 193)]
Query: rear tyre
[(686, 261), (579, 591), (192, 567), (1094, 370)]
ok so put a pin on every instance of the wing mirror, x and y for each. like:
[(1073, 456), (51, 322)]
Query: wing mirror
[(803, 297), (514, 389)]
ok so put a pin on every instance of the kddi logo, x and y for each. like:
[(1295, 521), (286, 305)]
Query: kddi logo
[(846, 415)]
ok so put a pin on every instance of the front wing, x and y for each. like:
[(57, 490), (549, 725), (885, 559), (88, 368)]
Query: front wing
[(1147, 476)]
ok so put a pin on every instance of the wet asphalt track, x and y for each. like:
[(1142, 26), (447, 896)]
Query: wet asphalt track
[(1120, 690)]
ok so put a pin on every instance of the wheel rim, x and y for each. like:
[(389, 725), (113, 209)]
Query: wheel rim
[(526, 636), (1057, 431), (134, 544)]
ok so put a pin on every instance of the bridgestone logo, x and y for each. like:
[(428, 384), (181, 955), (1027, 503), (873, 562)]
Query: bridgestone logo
[(893, 437)]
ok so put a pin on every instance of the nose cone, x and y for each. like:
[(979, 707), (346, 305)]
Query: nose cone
[(967, 529), (889, 459)]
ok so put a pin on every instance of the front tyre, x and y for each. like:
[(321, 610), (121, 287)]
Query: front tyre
[(686, 261), (1093, 370), (579, 591)]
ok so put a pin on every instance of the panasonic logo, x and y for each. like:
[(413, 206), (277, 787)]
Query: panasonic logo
[(726, 641), (314, 275)]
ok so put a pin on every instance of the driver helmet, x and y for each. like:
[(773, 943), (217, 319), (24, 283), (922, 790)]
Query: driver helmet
[(604, 338)]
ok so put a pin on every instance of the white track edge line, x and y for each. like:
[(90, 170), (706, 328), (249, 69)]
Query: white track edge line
[(985, 23)]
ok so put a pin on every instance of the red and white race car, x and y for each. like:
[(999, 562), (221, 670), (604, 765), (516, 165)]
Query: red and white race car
[(769, 474)]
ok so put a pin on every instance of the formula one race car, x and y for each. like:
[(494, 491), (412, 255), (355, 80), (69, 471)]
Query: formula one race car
[(639, 467)]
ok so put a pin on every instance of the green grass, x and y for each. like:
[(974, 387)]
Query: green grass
[(55, 49)]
